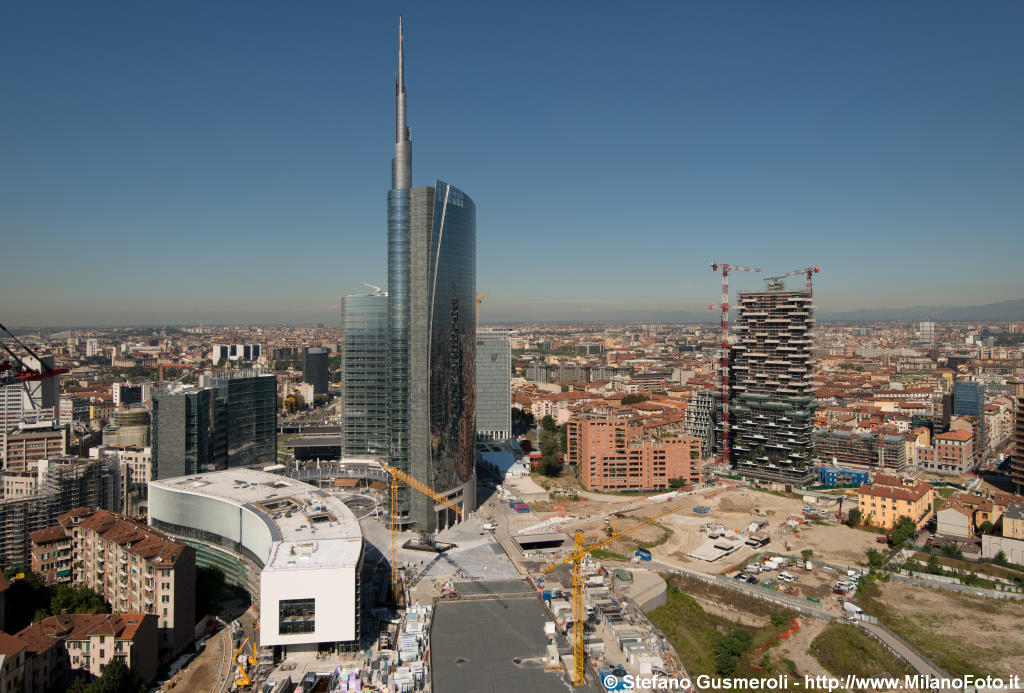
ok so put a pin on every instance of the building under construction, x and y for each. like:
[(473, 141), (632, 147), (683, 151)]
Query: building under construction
[(849, 449), (64, 483), (771, 389)]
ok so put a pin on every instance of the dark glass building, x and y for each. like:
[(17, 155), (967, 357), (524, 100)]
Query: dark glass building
[(232, 422), (315, 368), (969, 400), (364, 374), (432, 333)]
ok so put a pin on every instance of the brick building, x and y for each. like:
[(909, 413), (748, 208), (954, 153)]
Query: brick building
[(615, 453), (60, 647), (135, 567)]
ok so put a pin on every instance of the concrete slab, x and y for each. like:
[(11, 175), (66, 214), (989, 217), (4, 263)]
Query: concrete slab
[(493, 646)]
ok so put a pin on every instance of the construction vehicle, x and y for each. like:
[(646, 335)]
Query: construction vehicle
[(581, 549), (396, 476), (242, 662)]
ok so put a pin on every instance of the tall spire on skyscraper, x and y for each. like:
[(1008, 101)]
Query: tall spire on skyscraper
[(401, 165)]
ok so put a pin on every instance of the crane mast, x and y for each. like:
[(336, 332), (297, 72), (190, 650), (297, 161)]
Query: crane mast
[(725, 457), (581, 548)]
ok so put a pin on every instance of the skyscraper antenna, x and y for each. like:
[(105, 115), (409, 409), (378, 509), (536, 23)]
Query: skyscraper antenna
[(401, 165)]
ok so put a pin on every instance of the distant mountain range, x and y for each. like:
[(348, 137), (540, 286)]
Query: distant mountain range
[(1005, 310)]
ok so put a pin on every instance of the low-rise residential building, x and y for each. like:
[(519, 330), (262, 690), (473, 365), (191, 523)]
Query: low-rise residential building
[(60, 647), (135, 567), (888, 498), (954, 520), (12, 664), (954, 453)]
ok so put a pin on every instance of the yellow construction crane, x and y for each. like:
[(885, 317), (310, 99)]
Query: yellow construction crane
[(479, 300), (396, 476), (580, 550), (243, 680)]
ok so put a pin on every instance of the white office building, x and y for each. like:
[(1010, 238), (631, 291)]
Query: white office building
[(298, 549)]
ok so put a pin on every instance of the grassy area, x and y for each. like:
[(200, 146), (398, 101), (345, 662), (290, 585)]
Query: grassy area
[(700, 637), (925, 631), (971, 566), (665, 536), (607, 555), (844, 649)]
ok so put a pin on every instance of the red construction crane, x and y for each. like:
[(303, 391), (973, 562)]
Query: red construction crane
[(16, 370), (724, 457)]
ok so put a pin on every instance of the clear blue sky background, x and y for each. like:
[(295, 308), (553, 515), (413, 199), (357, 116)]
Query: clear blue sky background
[(221, 161)]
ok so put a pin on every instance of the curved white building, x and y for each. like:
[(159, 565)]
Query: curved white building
[(301, 549)]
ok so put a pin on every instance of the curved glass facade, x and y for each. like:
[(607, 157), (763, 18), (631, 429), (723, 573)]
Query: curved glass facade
[(452, 337), (432, 331)]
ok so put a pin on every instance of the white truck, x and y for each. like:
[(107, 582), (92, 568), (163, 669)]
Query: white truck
[(852, 610)]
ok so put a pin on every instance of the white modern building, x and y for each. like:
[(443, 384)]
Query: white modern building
[(298, 549)]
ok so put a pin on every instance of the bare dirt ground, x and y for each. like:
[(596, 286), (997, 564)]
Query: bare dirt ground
[(206, 671), (736, 510), (982, 635), (795, 648)]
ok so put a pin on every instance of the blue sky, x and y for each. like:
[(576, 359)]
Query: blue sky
[(222, 161)]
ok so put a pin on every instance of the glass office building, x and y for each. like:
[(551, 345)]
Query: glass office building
[(969, 400), (493, 387), (432, 321), (316, 369), (431, 334), (364, 367), (230, 423)]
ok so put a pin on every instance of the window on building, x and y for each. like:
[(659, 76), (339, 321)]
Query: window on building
[(296, 616)]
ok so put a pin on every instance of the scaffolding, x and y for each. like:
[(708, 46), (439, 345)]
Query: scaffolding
[(770, 380)]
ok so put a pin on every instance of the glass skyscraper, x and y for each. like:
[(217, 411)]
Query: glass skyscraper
[(364, 368), (969, 400), (493, 387), (432, 333)]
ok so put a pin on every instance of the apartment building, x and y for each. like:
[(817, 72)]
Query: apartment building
[(614, 453), (889, 497), (27, 443), (12, 664), (59, 648), (954, 453), (51, 555), (135, 567)]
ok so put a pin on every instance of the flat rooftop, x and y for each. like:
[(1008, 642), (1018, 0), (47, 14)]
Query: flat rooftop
[(493, 645), (311, 528)]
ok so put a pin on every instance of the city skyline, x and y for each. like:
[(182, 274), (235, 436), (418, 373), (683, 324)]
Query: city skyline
[(879, 143)]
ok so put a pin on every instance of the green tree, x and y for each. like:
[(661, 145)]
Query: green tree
[(986, 527), (933, 566), (876, 559), (902, 531), (116, 678), (854, 517), (953, 549), (1000, 558), (807, 553), (548, 423), (77, 600), (634, 399), (677, 482)]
